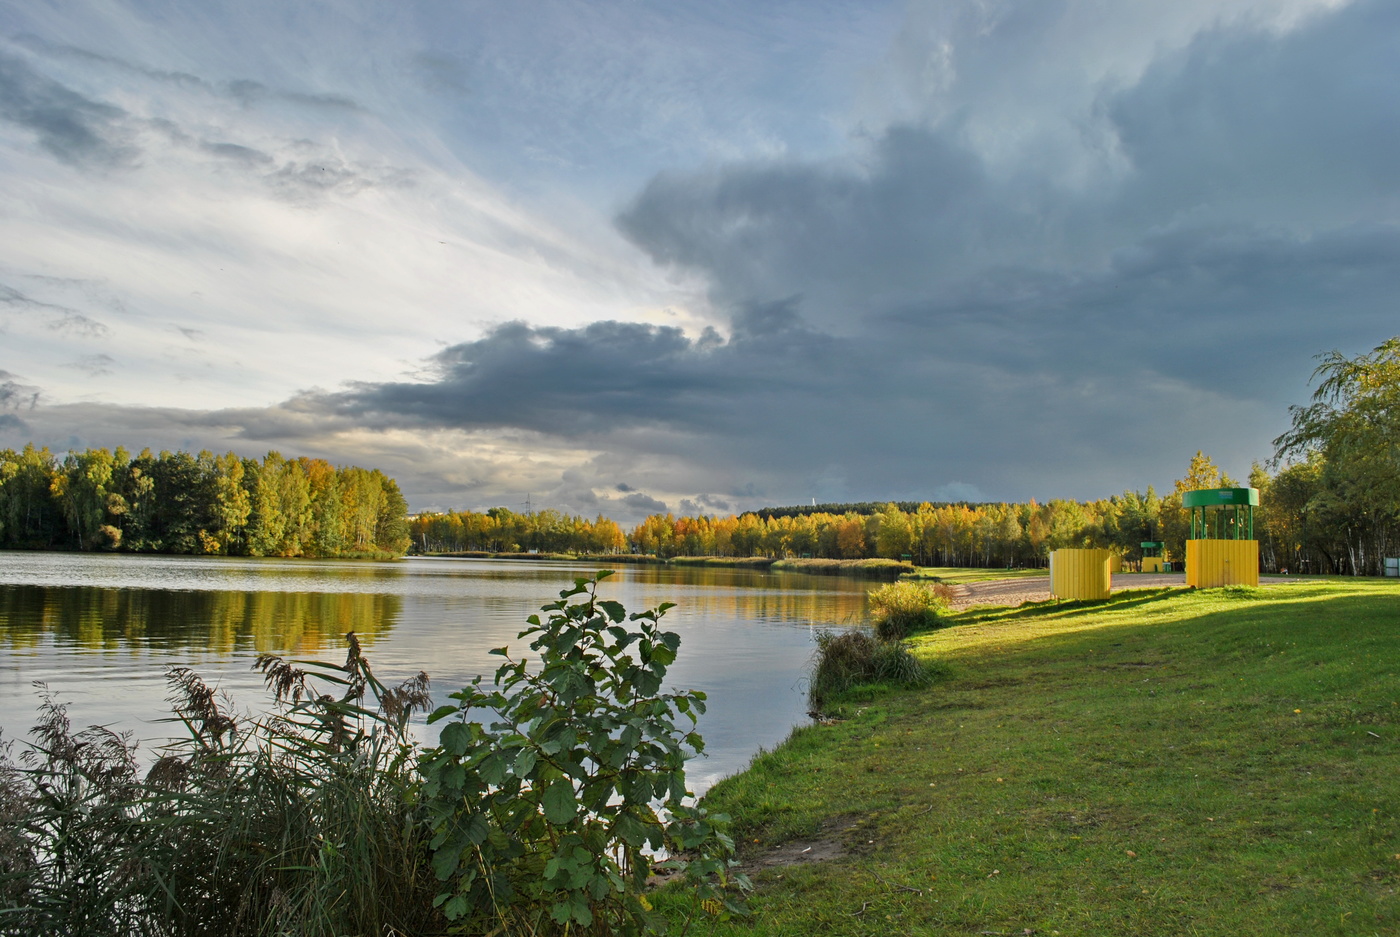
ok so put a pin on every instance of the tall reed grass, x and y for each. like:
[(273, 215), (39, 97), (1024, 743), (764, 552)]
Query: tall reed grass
[(300, 822)]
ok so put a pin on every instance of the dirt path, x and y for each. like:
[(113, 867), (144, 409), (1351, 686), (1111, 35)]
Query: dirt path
[(1037, 588)]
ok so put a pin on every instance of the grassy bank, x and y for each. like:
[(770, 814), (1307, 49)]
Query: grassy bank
[(956, 574), (1164, 762), (881, 569), (603, 558)]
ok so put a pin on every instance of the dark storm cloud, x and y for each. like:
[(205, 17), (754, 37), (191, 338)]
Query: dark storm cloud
[(74, 128), (705, 504), (598, 379), (639, 503), (1250, 223)]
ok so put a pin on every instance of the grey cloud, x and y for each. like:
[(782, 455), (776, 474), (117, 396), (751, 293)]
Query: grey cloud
[(61, 318), (315, 178), (1253, 225), (9, 296), (1303, 126), (252, 92), (75, 323), (238, 154), (624, 487), (444, 74), (93, 365), (11, 423), (570, 382), (15, 395), (705, 504), (74, 128), (88, 133), (639, 503), (245, 91)]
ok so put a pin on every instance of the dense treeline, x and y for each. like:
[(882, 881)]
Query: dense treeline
[(175, 502), (501, 530), (1308, 521), (1305, 524)]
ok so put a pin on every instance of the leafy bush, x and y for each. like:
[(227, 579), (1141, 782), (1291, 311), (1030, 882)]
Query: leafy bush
[(551, 792), (323, 818), (849, 659), (901, 608)]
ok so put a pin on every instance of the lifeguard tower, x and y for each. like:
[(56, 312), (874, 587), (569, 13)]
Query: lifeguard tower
[(1221, 549), (1154, 559)]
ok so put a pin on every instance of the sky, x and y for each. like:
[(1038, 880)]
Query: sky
[(632, 256)]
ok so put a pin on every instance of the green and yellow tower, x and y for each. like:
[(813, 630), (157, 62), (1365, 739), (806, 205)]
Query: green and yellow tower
[(1221, 549)]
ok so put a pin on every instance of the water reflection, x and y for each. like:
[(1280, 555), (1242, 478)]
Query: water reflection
[(101, 630), (82, 617)]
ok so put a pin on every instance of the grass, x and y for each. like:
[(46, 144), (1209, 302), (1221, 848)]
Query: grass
[(1161, 762), (957, 574), (876, 568)]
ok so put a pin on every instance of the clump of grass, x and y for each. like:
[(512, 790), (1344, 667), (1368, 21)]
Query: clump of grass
[(855, 658), (901, 608), (875, 568), (298, 822)]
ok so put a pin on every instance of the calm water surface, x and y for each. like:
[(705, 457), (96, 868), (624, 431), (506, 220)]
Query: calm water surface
[(101, 631)]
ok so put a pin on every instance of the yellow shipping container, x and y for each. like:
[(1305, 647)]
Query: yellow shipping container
[(1081, 574), (1213, 563)]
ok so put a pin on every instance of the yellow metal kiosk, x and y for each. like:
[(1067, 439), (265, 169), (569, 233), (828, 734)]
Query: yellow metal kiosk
[(1221, 549), (1154, 558), (1081, 574)]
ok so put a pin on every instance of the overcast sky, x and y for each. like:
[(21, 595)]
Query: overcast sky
[(643, 255)]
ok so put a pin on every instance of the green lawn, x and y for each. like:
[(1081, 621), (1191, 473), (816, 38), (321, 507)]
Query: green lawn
[(1222, 762)]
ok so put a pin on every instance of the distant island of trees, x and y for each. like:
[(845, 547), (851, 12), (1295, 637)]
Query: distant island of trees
[(176, 502)]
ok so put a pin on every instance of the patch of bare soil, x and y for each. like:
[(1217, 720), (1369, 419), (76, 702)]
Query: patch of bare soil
[(1037, 588), (794, 853), (839, 836)]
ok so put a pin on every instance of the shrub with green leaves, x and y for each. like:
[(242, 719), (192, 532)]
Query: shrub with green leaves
[(552, 792), (901, 608)]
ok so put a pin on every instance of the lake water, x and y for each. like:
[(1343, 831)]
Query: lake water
[(101, 630)]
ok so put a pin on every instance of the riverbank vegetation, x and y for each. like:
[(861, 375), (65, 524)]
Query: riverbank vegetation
[(1166, 762), (176, 502), (557, 790), (1303, 525)]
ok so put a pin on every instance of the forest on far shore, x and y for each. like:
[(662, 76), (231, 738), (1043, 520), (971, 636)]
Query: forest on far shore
[(176, 502), (1331, 506)]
